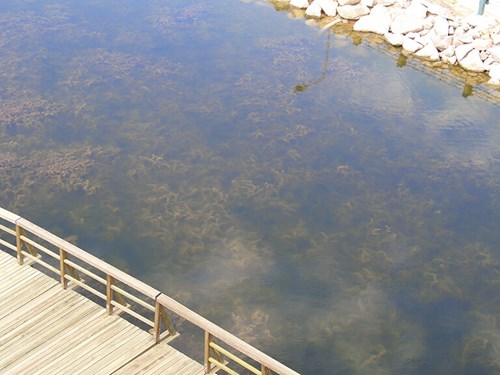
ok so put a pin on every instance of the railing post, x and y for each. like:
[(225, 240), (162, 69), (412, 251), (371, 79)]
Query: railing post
[(206, 357), (157, 321), (264, 370), (62, 267), (109, 294), (19, 245)]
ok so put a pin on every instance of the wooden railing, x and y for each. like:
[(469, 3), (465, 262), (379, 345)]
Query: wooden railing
[(125, 294)]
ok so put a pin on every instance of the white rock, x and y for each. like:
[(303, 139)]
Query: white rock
[(482, 44), (403, 4), (429, 23), (329, 7), (494, 71), (496, 38), (410, 45), (416, 10), (353, 12), (429, 52), (388, 3), (394, 39), (437, 10), (494, 81), (448, 52), (488, 62), (463, 50), (378, 21), (441, 42), (483, 55), (348, 2), (450, 60), (404, 24), (480, 22), (441, 26), (302, 4), (368, 3), (314, 10), (472, 62), (495, 52)]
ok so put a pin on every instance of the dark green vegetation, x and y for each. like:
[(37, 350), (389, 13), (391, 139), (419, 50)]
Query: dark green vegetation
[(332, 209)]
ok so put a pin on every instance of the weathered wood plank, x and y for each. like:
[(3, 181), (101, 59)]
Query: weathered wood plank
[(100, 347), (86, 339), (34, 339), (58, 346)]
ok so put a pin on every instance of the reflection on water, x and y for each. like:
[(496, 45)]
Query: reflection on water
[(335, 210)]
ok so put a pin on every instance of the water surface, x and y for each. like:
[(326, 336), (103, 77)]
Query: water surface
[(303, 190)]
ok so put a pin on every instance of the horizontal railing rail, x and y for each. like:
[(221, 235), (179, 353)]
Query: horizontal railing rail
[(118, 290)]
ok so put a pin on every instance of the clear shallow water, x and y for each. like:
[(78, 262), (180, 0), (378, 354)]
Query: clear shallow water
[(336, 211)]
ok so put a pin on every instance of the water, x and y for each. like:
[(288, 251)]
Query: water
[(300, 189)]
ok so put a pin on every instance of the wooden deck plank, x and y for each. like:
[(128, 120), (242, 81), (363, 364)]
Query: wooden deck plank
[(45, 329), (158, 359), (57, 346), (98, 350), (123, 354), (45, 325), (86, 340), (33, 338), (147, 360), (15, 301), (12, 329)]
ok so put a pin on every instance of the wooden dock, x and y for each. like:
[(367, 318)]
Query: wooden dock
[(45, 329), (55, 325)]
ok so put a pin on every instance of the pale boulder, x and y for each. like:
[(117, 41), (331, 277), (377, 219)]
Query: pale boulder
[(441, 26), (482, 44), (329, 7), (462, 51), (378, 21), (495, 52), (368, 3), (301, 4), (448, 52), (495, 71), (437, 9), (480, 22), (428, 52), (394, 39), (348, 2), (416, 9), (440, 42), (404, 24), (411, 45), (472, 62), (353, 12), (313, 10), (452, 60)]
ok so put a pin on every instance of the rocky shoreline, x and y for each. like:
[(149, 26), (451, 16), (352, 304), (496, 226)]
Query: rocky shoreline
[(421, 28)]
